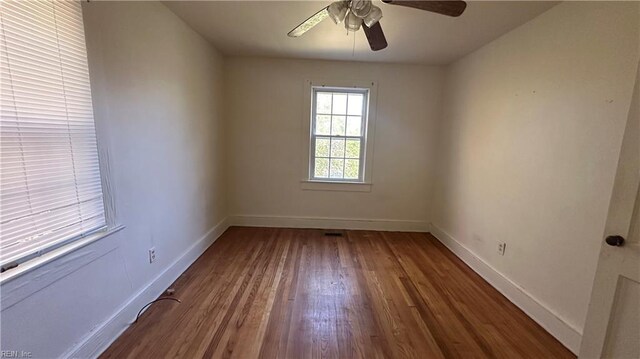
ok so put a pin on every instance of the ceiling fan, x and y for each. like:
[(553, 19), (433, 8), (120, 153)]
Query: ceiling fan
[(362, 13)]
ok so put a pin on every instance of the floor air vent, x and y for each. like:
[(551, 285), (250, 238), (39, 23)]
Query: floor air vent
[(333, 234)]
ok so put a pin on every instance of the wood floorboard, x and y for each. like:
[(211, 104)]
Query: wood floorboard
[(297, 293)]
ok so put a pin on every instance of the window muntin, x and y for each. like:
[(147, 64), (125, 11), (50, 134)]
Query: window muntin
[(338, 134), (51, 189)]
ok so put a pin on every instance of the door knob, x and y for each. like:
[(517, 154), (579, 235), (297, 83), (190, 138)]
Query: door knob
[(616, 241)]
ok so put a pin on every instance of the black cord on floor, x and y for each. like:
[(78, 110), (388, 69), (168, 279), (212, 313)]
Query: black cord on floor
[(157, 300)]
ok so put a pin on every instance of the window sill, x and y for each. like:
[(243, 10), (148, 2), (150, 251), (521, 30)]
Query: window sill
[(335, 186), (48, 257)]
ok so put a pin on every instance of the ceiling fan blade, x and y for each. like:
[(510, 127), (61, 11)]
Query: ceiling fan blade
[(450, 8), (312, 21), (376, 38)]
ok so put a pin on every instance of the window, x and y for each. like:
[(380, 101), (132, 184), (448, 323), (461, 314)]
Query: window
[(338, 134), (51, 190)]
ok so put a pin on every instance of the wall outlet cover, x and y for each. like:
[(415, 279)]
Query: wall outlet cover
[(501, 248)]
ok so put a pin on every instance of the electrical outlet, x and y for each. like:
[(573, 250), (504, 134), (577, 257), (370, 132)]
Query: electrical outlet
[(501, 248), (152, 255)]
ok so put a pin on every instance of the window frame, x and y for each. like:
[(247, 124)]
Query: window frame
[(364, 184), (52, 251), (363, 131)]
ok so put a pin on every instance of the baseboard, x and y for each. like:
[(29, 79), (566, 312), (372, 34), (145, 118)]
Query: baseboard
[(568, 335), (329, 223), (92, 345)]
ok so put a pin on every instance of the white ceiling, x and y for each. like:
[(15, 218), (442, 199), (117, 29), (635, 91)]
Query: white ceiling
[(259, 28)]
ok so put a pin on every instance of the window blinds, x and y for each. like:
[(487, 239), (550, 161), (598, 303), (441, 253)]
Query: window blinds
[(50, 179)]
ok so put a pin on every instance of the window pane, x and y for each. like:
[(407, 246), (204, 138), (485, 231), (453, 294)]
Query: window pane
[(338, 137), (338, 125), (339, 104), (354, 126), (323, 125), (355, 104), (352, 169), (322, 147), (337, 147), (353, 149), (337, 166), (322, 168), (323, 102)]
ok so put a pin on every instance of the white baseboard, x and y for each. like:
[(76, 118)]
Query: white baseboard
[(99, 340), (329, 223), (568, 335)]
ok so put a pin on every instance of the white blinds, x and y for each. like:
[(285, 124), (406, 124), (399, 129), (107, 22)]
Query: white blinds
[(50, 180)]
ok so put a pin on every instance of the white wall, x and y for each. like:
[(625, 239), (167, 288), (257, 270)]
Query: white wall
[(529, 142), (267, 158), (157, 89)]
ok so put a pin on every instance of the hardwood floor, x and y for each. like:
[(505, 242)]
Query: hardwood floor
[(296, 293)]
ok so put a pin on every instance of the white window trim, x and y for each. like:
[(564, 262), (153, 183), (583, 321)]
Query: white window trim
[(55, 253), (307, 182), (312, 185)]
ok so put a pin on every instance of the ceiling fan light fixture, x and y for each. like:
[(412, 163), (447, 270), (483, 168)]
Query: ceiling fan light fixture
[(373, 16), (338, 11), (361, 8), (352, 22)]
